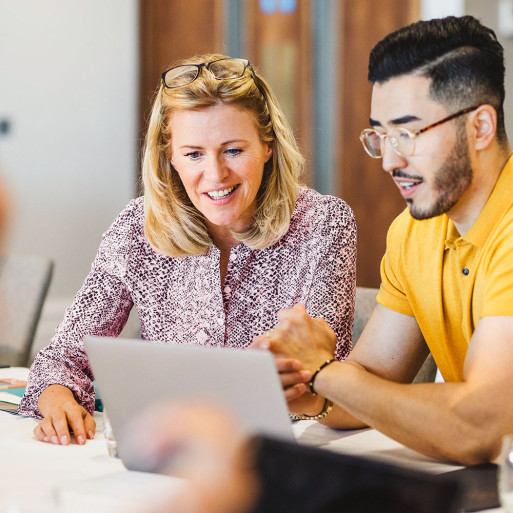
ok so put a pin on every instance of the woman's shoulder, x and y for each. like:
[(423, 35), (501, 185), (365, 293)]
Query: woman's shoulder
[(132, 215), (134, 208), (317, 211)]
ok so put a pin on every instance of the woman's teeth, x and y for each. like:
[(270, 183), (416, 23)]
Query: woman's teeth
[(221, 194)]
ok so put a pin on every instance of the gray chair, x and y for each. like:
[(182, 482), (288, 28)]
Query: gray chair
[(24, 282), (365, 303)]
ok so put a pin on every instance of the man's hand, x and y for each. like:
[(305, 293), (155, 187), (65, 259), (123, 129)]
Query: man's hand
[(299, 337), (300, 344), (61, 412)]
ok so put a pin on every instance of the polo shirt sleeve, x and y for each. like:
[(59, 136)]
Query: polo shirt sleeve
[(392, 291)]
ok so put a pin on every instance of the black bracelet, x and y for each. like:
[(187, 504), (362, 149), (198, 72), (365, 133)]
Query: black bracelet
[(311, 383)]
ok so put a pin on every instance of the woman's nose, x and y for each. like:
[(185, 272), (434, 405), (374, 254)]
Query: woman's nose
[(215, 169)]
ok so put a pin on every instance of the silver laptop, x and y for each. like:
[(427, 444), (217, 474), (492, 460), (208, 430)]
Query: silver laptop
[(130, 374)]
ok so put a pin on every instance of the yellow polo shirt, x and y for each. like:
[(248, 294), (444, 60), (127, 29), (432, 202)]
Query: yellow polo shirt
[(447, 281)]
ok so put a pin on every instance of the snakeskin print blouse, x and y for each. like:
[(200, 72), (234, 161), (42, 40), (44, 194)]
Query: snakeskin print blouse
[(182, 300)]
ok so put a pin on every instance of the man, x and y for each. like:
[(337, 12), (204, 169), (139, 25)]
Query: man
[(447, 276)]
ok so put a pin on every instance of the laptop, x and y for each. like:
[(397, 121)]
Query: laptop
[(131, 374)]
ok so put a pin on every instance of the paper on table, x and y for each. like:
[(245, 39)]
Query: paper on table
[(6, 397), (12, 395), (14, 373)]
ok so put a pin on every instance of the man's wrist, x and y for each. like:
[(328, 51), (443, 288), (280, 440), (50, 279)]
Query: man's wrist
[(321, 367), (323, 380)]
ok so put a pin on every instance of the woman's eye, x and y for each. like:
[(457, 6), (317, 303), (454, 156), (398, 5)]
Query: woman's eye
[(233, 151), (193, 155)]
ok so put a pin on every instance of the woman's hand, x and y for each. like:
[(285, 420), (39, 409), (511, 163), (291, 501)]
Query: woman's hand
[(62, 414)]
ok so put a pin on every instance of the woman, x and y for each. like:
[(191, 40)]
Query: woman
[(223, 238)]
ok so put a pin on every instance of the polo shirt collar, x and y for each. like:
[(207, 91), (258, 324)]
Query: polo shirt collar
[(497, 203)]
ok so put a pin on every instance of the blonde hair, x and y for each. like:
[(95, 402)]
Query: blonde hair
[(172, 225)]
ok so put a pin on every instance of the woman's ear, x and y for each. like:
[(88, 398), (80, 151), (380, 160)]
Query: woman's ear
[(483, 126), (170, 158), (269, 152)]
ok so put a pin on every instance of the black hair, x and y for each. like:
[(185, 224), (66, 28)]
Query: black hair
[(462, 57)]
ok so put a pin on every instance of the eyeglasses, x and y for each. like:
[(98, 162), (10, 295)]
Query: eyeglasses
[(222, 69), (401, 139)]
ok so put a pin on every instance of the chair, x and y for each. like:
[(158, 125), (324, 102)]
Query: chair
[(24, 282), (364, 305)]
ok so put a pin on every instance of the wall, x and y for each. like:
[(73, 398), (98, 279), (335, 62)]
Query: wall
[(68, 88), (488, 13), (439, 8)]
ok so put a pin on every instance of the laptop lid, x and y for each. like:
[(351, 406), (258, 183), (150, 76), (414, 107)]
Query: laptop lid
[(131, 374)]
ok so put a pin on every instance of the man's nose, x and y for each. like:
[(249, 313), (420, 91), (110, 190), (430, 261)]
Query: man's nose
[(391, 159)]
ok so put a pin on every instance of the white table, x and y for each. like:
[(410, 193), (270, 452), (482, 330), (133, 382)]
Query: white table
[(39, 477)]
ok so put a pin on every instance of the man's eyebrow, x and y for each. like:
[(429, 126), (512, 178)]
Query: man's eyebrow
[(403, 120), (397, 121)]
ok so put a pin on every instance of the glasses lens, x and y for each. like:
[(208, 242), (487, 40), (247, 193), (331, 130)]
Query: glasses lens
[(371, 143), (401, 141), (227, 68), (181, 75)]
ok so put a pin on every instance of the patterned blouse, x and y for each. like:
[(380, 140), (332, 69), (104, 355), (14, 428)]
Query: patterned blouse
[(181, 299)]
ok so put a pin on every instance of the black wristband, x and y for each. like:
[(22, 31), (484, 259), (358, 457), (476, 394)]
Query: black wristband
[(311, 383)]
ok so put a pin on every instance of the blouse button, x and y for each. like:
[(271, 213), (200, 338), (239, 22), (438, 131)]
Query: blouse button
[(465, 271)]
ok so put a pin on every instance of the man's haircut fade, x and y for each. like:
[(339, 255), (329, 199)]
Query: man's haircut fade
[(462, 58)]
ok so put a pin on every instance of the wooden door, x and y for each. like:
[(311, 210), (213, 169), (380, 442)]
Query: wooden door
[(279, 43), (170, 30), (360, 180)]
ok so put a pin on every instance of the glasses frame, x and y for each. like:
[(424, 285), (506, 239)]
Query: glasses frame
[(412, 135), (207, 66)]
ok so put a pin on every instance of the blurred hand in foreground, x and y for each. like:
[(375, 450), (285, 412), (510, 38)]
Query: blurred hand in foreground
[(205, 445)]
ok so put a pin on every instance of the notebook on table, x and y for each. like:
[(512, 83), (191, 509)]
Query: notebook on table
[(131, 374)]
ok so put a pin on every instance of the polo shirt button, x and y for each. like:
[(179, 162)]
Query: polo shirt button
[(465, 271)]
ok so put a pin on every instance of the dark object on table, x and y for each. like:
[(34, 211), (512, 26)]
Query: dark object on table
[(479, 486), (309, 480)]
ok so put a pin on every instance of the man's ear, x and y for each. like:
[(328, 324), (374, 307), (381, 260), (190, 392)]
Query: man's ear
[(483, 123)]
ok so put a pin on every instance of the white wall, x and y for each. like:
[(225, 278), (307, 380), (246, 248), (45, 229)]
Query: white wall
[(68, 86), (440, 8), (487, 11)]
